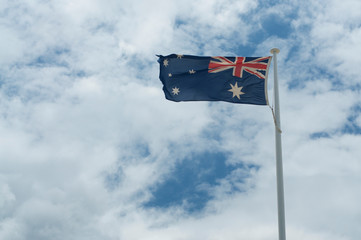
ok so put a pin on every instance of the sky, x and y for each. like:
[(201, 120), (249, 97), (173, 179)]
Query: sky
[(91, 149)]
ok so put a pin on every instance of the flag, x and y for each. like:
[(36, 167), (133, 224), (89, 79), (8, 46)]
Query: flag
[(229, 79)]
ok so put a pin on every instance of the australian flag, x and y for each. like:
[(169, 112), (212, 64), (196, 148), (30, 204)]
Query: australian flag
[(229, 79)]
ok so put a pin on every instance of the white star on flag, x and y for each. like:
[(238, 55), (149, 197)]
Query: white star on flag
[(175, 91), (237, 91), (165, 62)]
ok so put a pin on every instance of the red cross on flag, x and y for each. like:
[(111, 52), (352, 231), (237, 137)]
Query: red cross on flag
[(239, 65)]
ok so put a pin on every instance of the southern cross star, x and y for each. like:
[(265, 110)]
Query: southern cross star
[(165, 62), (237, 91), (192, 71), (179, 56), (175, 91)]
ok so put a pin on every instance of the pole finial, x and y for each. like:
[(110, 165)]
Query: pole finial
[(275, 50)]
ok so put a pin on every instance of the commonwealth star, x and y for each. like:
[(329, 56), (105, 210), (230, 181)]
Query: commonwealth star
[(237, 91)]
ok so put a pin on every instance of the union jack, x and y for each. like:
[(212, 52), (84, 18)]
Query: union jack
[(239, 65)]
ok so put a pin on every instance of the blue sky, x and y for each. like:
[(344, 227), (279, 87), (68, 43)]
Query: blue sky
[(91, 149)]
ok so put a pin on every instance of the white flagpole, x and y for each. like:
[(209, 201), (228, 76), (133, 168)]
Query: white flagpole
[(279, 167)]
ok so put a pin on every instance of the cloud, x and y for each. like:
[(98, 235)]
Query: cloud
[(87, 136)]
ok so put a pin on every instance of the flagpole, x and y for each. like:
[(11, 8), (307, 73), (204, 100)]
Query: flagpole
[(279, 167)]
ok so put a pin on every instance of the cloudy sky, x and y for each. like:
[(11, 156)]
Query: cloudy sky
[(91, 149)]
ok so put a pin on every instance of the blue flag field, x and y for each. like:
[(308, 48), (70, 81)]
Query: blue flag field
[(229, 79)]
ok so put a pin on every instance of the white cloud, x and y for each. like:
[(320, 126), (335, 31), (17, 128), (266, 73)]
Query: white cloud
[(11, 47), (86, 130), (333, 37)]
